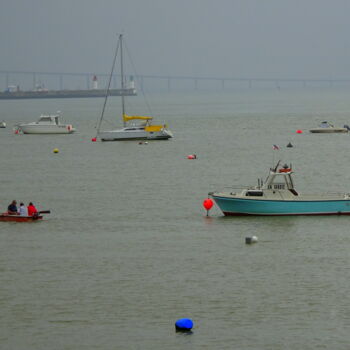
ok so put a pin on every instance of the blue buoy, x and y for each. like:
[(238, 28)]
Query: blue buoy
[(184, 324)]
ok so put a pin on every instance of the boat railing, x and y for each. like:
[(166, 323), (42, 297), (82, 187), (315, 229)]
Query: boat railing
[(326, 195), (234, 189), (240, 187), (311, 196)]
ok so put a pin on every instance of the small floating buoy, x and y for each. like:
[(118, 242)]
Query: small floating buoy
[(208, 204), (16, 131), (192, 156), (55, 150), (183, 325), (94, 139), (299, 131), (146, 143), (289, 145), (251, 240), (140, 143)]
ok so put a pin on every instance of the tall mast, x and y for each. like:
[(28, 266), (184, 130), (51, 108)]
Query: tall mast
[(122, 76), (108, 87)]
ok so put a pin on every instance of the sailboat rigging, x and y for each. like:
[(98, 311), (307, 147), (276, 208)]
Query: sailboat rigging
[(134, 127)]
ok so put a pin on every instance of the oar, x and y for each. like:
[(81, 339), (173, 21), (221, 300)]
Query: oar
[(44, 212)]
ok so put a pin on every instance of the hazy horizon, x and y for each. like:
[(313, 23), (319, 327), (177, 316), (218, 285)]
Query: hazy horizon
[(223, 38)]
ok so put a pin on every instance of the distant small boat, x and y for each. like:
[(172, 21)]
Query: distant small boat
[(277, 196), (18, 218), (47, 124), (326, 127), (2, 124)]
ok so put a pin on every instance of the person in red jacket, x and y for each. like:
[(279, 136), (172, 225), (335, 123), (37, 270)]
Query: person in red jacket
[(32, 210)]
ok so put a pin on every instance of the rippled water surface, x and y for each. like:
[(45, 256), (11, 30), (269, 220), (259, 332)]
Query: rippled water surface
[(127, 249)]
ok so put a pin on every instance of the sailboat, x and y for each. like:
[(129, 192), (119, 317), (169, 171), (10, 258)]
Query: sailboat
[(135, 127)]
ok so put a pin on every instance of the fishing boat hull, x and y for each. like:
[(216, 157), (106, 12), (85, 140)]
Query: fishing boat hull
[(125, 134), (17, 218), (242, 206), (328, 130), (46, 129)]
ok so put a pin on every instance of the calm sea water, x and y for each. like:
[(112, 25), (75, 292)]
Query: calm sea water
[(127, 249)]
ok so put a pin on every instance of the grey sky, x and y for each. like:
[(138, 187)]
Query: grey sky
[(234, 38)]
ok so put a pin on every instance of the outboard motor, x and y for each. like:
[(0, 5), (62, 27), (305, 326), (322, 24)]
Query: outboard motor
[(347, 126)]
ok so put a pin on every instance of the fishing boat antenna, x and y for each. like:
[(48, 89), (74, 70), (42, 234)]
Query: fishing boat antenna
[(109, 85), (278, 163)]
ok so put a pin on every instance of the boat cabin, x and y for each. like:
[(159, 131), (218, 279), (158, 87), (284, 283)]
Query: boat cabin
[(279, 180), (325, 124), (48, 119)]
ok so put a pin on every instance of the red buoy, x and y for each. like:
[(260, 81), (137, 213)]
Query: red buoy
[(208, 204), (94, 139), (192, 156), (299, 131)]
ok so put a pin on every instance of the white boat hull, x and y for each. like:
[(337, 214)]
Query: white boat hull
[(46, 129), (124, 134)]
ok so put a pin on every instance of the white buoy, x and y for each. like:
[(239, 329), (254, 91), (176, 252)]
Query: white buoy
[(251, 240)]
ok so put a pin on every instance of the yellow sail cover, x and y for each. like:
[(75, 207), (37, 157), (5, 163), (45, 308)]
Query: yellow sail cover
[(153, 128), (127, 118)]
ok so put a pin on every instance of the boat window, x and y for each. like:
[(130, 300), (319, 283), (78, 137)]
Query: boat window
[(45, 119), (254, 193), (277, 186)]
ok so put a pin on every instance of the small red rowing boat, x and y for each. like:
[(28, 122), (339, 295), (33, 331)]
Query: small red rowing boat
[(18, 218)]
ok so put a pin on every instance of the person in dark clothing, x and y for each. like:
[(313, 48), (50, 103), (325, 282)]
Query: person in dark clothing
[(12, 208)]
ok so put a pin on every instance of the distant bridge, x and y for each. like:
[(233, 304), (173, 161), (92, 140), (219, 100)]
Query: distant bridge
[(59, 79)]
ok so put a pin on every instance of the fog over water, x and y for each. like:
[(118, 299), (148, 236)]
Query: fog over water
[(232, 38)]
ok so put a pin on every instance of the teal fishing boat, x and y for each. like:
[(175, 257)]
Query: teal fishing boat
[(277, 196)]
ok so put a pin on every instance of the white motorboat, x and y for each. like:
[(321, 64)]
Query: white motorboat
[(2, 124), (134, 127), (326, 127), (47, 124)]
